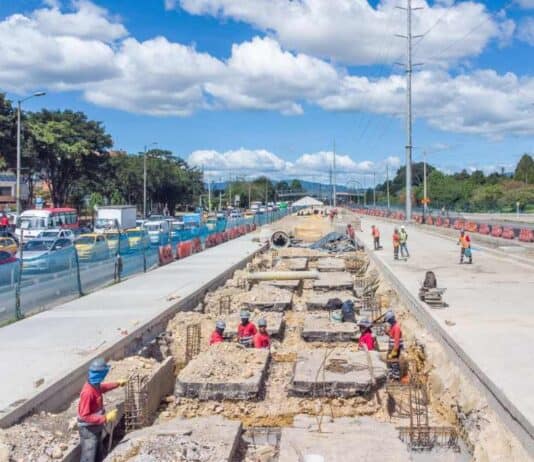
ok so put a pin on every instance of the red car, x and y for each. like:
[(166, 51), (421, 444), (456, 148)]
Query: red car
[(6, 257)]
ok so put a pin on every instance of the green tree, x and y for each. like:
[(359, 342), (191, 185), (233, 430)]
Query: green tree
[(7, 133), (68, 147), (524, 170), (296, 186), (282, 186)]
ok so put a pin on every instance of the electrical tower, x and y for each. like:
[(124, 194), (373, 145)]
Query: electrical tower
[(409, 119)]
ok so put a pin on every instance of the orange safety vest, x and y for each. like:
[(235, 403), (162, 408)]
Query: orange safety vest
[(375, 232), (465, 241)]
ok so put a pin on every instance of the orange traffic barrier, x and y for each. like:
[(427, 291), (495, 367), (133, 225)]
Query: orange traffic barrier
[(526, 235), (496, 231), (484, 228), (165, 254), (459, 224), (508, 233), (429, 220), (184, 249), (439, 221), (471, 226)]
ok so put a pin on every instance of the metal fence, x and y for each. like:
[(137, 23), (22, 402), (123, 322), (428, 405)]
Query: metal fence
[(40, 283)]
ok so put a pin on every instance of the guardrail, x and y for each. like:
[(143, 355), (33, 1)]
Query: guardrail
[(66, 274), (523, 234)]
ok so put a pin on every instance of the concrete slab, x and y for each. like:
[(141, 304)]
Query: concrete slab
[(319, 327), (331, 264), (333, 280), (207, 439), (335, 373), (275, 323), (319, 300), (293, 264), (343, 439), (265, 297), (292, 285), (489, 297), (56, 346), (224, 371)]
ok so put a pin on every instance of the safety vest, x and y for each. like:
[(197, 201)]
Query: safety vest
[(376, 232)]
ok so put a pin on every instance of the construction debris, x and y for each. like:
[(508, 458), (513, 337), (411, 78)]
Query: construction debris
[(334, 243)]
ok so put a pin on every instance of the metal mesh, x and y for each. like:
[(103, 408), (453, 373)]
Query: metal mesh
[(135, 403), (192, 341)]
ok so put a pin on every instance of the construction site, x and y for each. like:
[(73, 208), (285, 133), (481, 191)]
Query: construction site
[(313, 396)]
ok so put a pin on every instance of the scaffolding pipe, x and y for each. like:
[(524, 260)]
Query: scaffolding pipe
[(282, 275)]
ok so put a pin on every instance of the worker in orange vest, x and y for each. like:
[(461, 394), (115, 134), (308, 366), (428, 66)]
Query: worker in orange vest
[(376, 236), (465, 247)]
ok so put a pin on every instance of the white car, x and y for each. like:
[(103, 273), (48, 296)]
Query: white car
[(56, 234)]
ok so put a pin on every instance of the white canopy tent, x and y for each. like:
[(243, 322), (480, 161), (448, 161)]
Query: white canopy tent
[(307, 202)]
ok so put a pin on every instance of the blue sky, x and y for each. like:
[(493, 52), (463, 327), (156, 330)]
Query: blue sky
[(259, 86)]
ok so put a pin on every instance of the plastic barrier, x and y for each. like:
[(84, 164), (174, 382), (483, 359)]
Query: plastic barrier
[(196, 245), (484, 228), (496, 231), (439, 221), (429, 220), (447, 223), (508, 233), (459, 224), (184, 249), (165, 254), (526, 235), (471, 226)]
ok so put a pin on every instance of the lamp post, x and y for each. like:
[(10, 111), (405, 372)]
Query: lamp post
[(144, 176), (19, 104)]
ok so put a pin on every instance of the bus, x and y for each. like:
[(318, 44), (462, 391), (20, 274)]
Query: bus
[(34, 221)]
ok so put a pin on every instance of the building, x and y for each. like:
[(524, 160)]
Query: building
[(8, 191)]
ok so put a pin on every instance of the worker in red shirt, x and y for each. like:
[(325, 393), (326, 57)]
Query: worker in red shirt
[(92, 415), (395, 344), (262, 338), (246, 330), (350, 232), (4, 223), (367, 340), (217, 336), (396, 243)]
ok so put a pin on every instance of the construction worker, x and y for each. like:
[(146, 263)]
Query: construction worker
[(376, 236), (4, 224), (246, 330), (395, 345), (403, 238), (92, 416), (465, 247), (262, 338), (367, 340), (217, 336), (350, 232), (396, 243)]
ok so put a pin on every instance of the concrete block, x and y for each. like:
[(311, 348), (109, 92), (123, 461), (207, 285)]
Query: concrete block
[(344, 439), (292, 285), (196, 380), (211, 438), (343, 373), (331, 264), (333, 280), (265, 298), (275, 323), (319, 327), (319, 300), (293, 264)]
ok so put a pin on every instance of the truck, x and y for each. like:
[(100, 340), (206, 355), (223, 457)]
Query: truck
[(115, 217)]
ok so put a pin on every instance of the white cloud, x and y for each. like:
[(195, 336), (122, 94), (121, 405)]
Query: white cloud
[(354, 32), (482, 102), (525, 31), (527, 4), (322, 161), (55, 50)]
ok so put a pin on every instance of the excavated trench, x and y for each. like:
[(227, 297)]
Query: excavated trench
[(271, 423)]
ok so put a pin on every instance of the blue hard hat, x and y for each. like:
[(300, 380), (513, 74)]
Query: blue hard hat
[(262, 323), (365, 323), (99, 365), (244, 314), (220, 325), (389, 316)]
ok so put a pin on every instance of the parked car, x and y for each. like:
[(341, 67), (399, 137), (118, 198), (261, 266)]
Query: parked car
[(47, 255), (57, 234), (7, 257), (117, 241), (91, 246), (8, 244), (138, 238)]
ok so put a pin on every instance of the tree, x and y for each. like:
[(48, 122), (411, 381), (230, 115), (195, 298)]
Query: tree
[(8, 133), (282, 186), (524, 170), (296, 186), (68, 147)]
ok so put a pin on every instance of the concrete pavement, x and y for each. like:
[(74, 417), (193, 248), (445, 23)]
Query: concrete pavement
[(43, 358), (491, 303)]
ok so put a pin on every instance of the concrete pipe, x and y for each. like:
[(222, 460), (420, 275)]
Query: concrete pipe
[(280, 240), (282, 275)]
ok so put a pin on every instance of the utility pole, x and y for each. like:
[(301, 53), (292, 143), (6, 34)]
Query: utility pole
[(209, 196), (374, 189), (330, 180), (249, 193), (334, 174), (145, 176), (409, 70), (425, 197), (387, 182)]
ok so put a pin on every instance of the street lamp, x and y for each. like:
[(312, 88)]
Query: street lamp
[(19, 104), (144, 176)]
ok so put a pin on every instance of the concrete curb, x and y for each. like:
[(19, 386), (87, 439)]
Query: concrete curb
[(65, 388), (511, 416)]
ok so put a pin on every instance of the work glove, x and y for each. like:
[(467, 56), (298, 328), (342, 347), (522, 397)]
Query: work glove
[(122, 382), (111, 416), (393, 354)]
